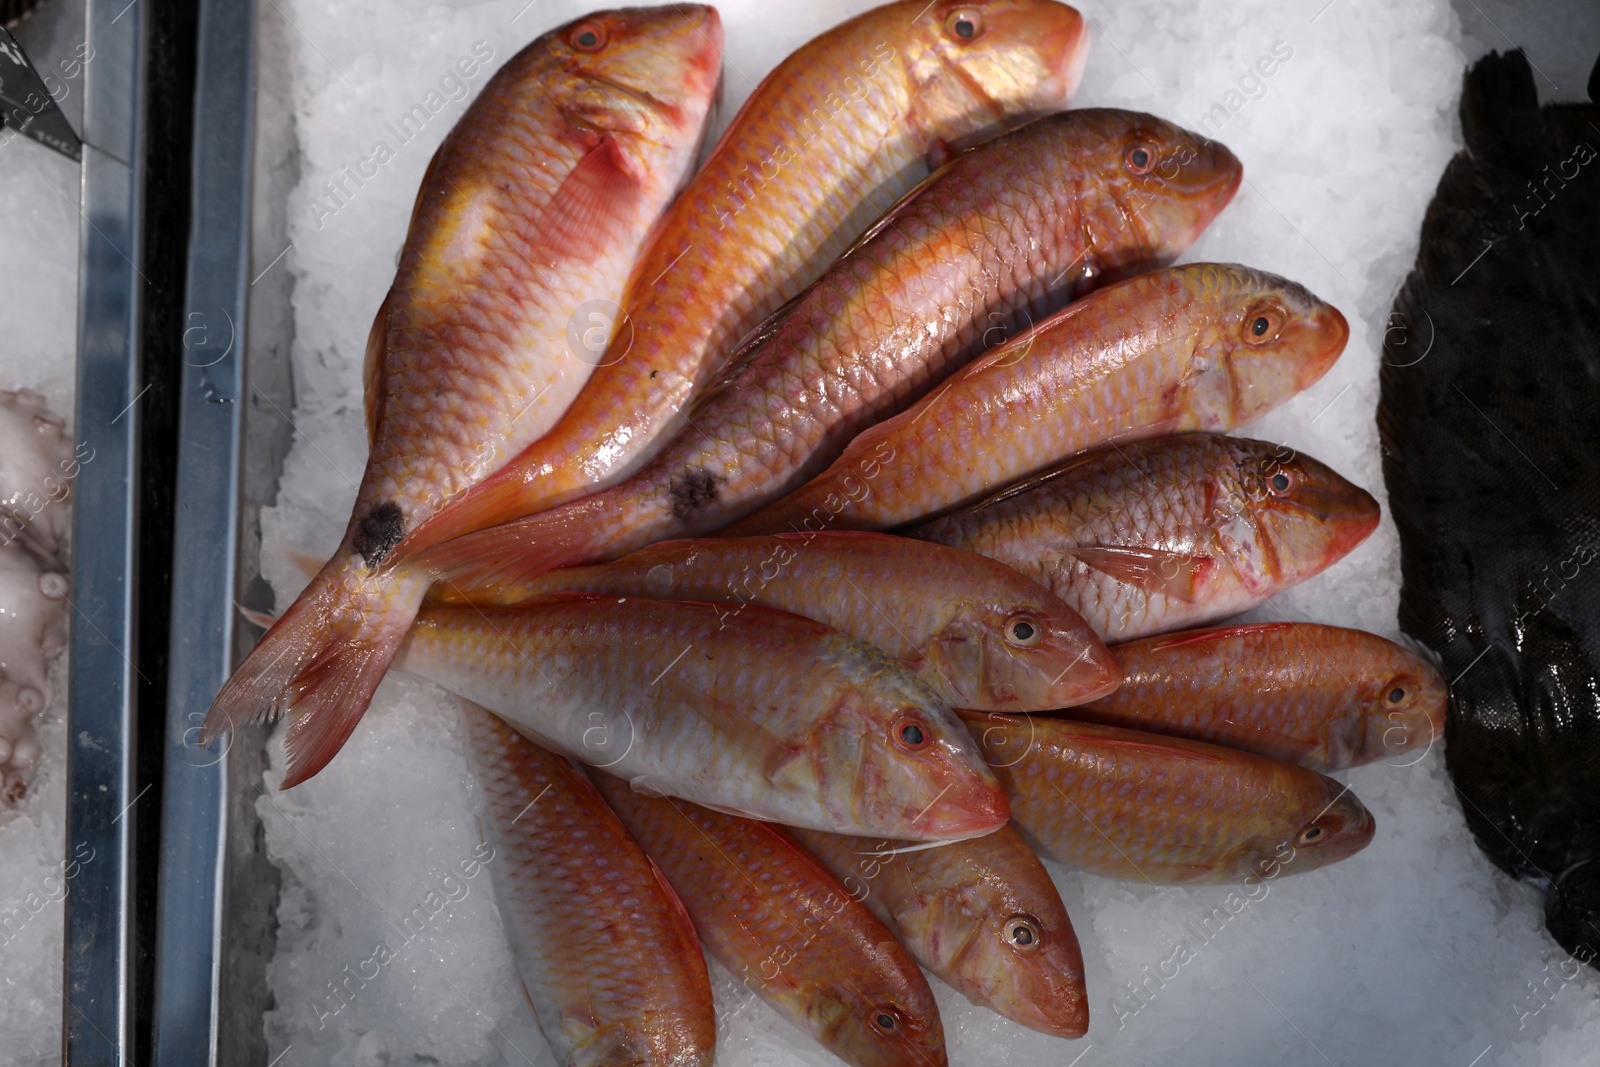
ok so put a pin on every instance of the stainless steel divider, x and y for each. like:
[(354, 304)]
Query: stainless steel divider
[(190, 907), (98, 1022)]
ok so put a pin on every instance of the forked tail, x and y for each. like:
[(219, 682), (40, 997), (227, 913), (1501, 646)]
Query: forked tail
[(321, 661), (501, 556)]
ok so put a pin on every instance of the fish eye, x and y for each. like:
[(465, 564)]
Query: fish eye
[(1023, 631), (588, 37), (1312, 834), (1262, 326), (909, 731), (1281, 483), (1397, 694), (1140, 158), (886, 1020), (1022, 932), (964, 24)]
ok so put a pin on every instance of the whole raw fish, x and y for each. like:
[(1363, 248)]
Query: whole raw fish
[(978, 633), (787, 929), (827, 142), (604, 948), (1199, 347), (536, 202), (992, 236), (1128, 804), (1320, 696), (1168, 533), (778, 717), (981, 914)]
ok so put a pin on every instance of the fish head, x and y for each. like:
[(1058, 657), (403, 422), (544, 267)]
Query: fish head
[(1404, 709), (1283, 517), (974, 68), (1260, 339), (891, 759), (897, 1027), (1337, 826), (1021, 648), (1012, 947), (645, 75), (1153, 188)]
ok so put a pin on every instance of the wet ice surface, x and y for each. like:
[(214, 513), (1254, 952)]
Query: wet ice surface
[(38, 341), (1414, 951)]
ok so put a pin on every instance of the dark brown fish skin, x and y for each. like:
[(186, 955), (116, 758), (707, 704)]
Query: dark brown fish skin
[(1491, 446)]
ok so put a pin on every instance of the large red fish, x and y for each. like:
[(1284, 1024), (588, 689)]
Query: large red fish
[(1321, 696), (1199, 347), (604, 947), (978, 633), (1004, 231), (1171, 532), (1127, 804), (788, 931), (537, 202)]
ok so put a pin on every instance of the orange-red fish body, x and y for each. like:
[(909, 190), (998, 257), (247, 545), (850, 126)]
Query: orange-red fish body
[(978, 633), (1134, 805), (604, 948), (775, 716), (786, 929), (535, 204), (1198, 347), (827, 142), (1170, 532), (1000, 233), (1321, 696), (981, 914)]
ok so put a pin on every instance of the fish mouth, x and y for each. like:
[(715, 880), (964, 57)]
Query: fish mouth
[(1330, 325), (1070, 41), (1348, 512), (963, 810)]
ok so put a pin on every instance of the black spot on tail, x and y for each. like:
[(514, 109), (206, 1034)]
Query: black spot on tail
[(692, 491), (379, 531)]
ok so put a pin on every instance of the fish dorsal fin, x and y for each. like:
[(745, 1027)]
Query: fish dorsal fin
[(377, 341), (1029, 484), (1221, 633), (1174, 574)]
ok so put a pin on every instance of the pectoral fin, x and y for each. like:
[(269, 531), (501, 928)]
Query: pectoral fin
[(1172, 574)]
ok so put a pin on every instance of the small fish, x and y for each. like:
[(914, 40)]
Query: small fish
[(777, 717), (981, 914), (604, 947), (499, 252), (825, 144), (1199, 347), (1005, 231), (1321, 696), (788, 931), (1168, 533), (977, 632), (1128, 804)]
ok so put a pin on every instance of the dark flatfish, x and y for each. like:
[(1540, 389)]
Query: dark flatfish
[(1490, 424)]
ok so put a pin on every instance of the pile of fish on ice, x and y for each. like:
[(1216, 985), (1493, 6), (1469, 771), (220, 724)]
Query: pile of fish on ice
[(637, 430)]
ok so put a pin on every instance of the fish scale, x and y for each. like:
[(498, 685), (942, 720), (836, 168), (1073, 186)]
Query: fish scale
[(777, 717), (990, 236), (1169, 532), (604, 948)]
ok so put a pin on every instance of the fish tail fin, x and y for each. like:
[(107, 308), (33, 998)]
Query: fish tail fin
[(322, 660), (493, 561)]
